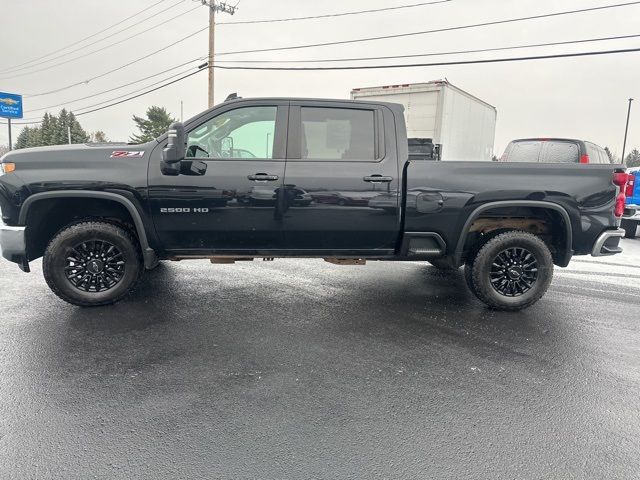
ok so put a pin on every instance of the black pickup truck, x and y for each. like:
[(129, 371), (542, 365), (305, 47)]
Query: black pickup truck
[(277, 177)]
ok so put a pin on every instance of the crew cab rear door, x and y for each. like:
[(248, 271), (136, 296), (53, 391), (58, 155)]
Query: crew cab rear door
[(341, 180)]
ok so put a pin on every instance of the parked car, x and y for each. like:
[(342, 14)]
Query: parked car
[(554, 150), (100, 215), (631, 217)]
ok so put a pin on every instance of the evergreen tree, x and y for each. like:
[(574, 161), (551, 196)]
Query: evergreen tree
[(633, 159), (78, 134), (53, 131), (612, 157), (98, 137), (156, 123)]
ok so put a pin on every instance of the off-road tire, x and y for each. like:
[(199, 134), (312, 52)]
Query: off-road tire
[(630, 228), (56, 254), (468, 278), (489, 253)]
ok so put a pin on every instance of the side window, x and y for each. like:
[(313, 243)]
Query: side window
[(604, 158), (243, 133), (338, 134), (593, 152)]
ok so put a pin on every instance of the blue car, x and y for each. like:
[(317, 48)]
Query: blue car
[(631, 217)]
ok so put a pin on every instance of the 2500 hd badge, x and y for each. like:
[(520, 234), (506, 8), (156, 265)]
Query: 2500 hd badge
[(184, 210)]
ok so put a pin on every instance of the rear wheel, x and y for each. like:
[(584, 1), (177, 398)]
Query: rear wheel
[(630, 227), (512, 271), (92, 263)]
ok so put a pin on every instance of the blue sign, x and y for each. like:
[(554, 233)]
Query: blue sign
[(10, 105)]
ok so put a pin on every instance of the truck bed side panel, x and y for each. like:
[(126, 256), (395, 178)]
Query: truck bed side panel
[(441, 196)]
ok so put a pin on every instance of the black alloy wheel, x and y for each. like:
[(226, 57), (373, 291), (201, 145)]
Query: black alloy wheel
[(511, 271), (514, 272), (92, 263), (94, 266)]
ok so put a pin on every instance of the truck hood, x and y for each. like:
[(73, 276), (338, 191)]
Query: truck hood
[(60, 155)]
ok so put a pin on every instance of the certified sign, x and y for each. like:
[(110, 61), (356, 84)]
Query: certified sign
[(10, 105)]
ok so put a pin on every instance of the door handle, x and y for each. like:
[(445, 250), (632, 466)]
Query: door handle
[(377, 179), (263, 177)]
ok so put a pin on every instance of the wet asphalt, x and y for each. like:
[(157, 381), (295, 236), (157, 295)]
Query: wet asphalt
[(302, 369)]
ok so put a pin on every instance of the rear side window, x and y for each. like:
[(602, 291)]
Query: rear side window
[(596, 153), (337, 134)]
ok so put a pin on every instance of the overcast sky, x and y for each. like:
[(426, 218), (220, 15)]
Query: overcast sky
[(582, 97)]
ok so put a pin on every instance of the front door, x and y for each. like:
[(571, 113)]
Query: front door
[(341, 184), (231, 206)]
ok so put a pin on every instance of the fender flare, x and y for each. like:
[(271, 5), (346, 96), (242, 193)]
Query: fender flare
[(149, 255), (563, 259)]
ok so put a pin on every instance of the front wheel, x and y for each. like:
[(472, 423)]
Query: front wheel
[(512, 271), (92, 263)]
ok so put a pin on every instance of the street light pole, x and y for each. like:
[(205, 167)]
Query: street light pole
[(626, 130)]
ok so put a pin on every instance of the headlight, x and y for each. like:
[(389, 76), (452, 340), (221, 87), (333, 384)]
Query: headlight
[(7, 167)]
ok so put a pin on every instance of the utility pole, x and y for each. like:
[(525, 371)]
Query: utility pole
[(69, 134), (214, 7), (626, 130)]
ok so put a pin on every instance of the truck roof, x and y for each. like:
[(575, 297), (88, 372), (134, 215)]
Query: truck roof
[(393, 106)]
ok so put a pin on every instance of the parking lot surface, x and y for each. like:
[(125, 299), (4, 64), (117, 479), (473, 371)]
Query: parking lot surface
[(303, 369)]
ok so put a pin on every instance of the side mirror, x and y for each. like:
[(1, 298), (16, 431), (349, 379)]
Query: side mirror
[(174, 152)]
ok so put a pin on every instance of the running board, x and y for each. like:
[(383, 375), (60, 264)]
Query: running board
[(346, 261)]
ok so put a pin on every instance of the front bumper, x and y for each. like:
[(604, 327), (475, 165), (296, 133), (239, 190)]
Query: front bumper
[(608, 243), (13, 245), (631, 212)]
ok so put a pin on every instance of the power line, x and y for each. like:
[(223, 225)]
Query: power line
[(435, 54), (85, 38), (338, 60), (104, 74), (437, 64), (399, 7), (118, 87), (143, 93), (202, 68), (100, 50), (113, 34), (424, 32)]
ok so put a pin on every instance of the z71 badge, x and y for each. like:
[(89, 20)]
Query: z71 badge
[(127, 154)]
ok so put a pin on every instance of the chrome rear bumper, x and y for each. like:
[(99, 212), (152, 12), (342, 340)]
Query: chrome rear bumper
[(608, 243)]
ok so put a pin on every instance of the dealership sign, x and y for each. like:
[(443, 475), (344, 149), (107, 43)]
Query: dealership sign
[(10, 105)]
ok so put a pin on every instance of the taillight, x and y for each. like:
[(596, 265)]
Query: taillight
[(620, 180), (631, 180), (620, 201), (584, 158)]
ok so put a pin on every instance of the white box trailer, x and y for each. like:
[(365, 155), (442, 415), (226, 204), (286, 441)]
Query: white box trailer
[(464, 125)]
